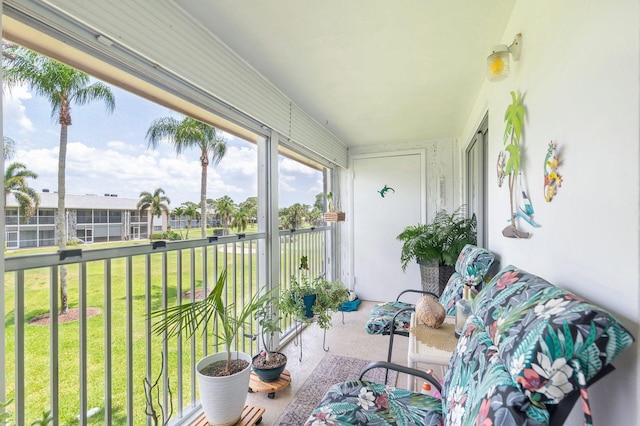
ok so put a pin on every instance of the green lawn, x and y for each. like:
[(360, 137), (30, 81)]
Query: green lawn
[(37, 345)]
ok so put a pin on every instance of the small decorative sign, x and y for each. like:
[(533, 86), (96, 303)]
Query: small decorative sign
[(552, 180)]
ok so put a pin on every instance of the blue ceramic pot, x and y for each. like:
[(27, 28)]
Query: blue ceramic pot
[(309, 300)]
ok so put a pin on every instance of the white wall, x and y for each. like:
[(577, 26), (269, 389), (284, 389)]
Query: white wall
[(579, 74)]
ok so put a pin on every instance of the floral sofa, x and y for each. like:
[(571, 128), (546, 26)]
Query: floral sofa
[(526, 354)]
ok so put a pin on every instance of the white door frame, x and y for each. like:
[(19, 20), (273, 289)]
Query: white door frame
[(350, 200)]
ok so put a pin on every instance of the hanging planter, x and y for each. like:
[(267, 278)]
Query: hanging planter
[(334, 217)]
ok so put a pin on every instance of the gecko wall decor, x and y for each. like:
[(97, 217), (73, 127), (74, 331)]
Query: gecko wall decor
[(384, 190)]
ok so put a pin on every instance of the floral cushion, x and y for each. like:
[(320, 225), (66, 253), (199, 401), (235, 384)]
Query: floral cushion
[(478, 389), (362, 402), (471, 267), (473, 263), (379, 321), (546, 335), (452, 293)]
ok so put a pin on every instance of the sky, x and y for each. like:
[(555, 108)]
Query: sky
[(107, 154)]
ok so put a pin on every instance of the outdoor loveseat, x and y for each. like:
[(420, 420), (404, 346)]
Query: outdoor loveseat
[(528, 352)]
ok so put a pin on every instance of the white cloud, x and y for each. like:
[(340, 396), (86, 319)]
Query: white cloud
[(112, 170), (14, 110), (239, 160), (121, 146), (288, 165)]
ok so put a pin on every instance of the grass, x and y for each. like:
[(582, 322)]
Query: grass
[(37, 346)]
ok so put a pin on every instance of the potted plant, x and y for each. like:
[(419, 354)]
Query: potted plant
[(436, 246), (298, 300), (268, 365), (329, 297), (332, 215), (223, 377), (307, 297)]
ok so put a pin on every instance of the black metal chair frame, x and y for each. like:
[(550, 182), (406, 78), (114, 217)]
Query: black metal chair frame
[(392, 326)]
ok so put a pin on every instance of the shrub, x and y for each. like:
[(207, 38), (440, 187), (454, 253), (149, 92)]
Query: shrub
[(171, 235)]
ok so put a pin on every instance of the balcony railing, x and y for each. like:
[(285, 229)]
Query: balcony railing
[(91, 370)]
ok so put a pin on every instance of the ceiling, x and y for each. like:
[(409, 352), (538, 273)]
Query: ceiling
[(370, 71)]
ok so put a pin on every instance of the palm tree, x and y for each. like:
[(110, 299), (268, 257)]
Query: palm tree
[(191, 212), (157, 203), (191, 133), (178, 212), (297, 214), (211, 209), (514, 119), (9, 149), (285, 218), (240, 220), (62, 86), (251, 206), (15, 182), (315, 217), (224, 210)]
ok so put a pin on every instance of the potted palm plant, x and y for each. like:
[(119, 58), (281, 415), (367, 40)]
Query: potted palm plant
[(436, 246), (223, 377)]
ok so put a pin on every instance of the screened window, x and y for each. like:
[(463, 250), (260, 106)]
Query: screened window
[(115, 216), (11, 216), (301, 191), (84, 216), (100, 216), (46, 217)]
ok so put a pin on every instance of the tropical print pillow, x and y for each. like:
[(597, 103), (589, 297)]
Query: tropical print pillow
[(473, 264), (477, 388), (547, 336), (452, 293), (471, 267), (379, 321), (361, 402)]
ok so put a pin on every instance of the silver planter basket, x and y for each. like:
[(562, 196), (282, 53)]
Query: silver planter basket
[(435, 276)]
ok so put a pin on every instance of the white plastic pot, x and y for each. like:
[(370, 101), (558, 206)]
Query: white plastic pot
[(223, 398)]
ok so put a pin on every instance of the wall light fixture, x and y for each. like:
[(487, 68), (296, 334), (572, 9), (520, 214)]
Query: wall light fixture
[(498, 60)]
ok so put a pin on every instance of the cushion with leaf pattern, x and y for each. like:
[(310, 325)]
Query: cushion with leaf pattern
[(471, 267), (547, 335), (478, 389), (361, 402)]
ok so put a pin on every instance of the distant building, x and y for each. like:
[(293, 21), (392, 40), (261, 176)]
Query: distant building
[(89, 218)]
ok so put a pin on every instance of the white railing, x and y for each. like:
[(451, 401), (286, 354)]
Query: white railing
[(91, 370)]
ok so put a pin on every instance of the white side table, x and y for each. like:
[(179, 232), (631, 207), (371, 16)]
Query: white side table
[(420, 352)]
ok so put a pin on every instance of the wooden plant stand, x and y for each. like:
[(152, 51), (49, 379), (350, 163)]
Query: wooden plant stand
[(251, 415), (257, 385)]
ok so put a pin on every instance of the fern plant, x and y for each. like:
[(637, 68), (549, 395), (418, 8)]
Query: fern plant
[(443, 239)]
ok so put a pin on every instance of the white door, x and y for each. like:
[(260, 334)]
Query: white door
[(378, 220)]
